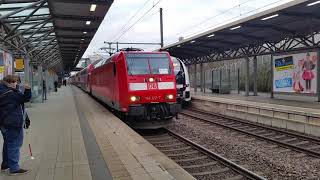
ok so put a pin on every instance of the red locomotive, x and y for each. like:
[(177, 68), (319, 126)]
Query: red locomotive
[(140, 85)]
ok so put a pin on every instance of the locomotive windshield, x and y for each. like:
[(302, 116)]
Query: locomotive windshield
[(138, 64)]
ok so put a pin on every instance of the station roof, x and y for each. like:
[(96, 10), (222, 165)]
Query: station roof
[(297, 18), (55, 33)]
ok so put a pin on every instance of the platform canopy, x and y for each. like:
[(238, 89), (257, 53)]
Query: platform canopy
[(53, 33), (292, 26)]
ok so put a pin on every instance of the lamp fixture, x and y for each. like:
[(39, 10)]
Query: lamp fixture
[(314, 3), (234, 28), (270, 17), (93, 7)]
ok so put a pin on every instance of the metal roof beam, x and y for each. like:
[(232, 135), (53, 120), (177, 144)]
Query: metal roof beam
[(74, 36), (16, 1), (49, 50), (35, 28), (16, 8), (22, 32), (255, 38), (79, 18), (35, 17), (98, 2), (25, 19), (300, 15), (21, 9), (39, 30), (75, 29), (276, 28), (40, 38), (47, 44)]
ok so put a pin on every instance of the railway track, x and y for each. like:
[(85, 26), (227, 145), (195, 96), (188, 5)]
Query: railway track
[(197, 160), (291, 140)]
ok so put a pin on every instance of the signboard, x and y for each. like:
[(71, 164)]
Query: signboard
[(295, 73), (19, 64), (1, 65)]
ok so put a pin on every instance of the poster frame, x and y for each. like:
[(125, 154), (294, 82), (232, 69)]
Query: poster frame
[(317, 94)]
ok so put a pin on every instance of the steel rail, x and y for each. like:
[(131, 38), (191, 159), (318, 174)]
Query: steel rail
[(283, 144), (241, 170)]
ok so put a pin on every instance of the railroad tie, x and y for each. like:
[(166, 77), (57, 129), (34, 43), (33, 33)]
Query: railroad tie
[(163, 141), (182, 154), (288, 140), (279, 137), (191, 159), (313, 147), (211, 172), (177, 149), (239, 177), (300, 143), (169, 145), (200, 165)]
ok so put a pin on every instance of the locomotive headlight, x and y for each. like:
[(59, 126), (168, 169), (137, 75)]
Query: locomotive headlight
[(151, 79), (134, 98), (169, 96)]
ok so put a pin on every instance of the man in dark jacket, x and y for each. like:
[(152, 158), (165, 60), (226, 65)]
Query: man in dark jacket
[(12, 120)]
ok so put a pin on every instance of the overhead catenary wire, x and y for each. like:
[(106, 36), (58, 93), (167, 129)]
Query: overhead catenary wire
[(141, 18), (133, 16)]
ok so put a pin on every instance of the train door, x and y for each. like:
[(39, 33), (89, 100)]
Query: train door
[(114, 85)]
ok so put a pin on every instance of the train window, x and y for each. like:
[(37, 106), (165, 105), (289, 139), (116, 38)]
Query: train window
[(159, 65), (147, 64), (137, 65)]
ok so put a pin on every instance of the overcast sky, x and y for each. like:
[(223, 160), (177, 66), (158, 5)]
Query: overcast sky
[(181, 18)]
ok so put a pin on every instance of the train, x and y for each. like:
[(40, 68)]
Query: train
[(138, 85)]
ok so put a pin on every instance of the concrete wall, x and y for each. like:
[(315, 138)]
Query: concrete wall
[(291, 120)]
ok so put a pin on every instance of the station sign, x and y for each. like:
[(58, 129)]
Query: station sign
[(295, 73), (19, 64)]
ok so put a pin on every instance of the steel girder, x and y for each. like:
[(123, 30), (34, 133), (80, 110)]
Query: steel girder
[(35, 40), (288, 44)]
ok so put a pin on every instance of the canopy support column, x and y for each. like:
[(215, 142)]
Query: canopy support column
[(247, 76), (255, 69), (195, 78), (318, 75), (272, 76)]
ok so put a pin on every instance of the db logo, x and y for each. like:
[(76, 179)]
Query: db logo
[(152, 86)]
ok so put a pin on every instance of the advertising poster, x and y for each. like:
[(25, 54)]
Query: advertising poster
[(8, 63), (296, 73), (1, 65)]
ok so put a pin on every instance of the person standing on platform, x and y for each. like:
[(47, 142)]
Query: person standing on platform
[(12, 120), (44, 94), (55, 86)]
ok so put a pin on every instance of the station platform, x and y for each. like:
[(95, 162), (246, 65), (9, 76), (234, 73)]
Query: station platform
[(289, 113), (75, 138)]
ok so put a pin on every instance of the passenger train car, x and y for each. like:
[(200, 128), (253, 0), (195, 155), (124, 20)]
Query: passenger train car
[(182, 87), (140, 85)]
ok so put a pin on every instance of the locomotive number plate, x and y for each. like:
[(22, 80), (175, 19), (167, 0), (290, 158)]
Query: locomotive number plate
[(153, 98), (152, 86)]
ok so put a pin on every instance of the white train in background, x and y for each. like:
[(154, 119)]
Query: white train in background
[(183, 81)]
